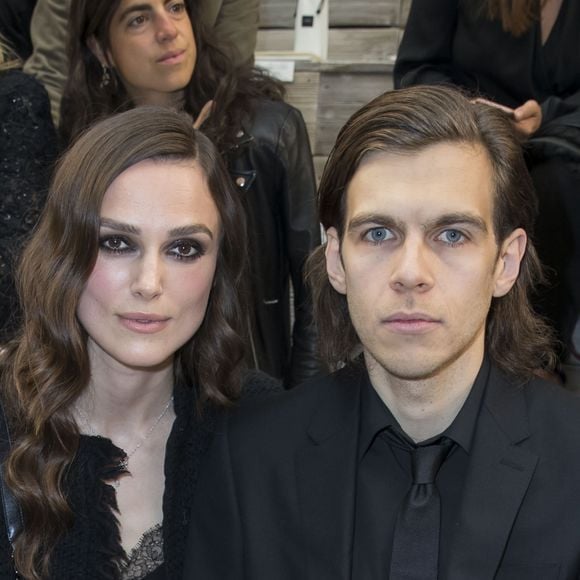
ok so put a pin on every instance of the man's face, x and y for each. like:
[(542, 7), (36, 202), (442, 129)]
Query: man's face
[(419, 263)]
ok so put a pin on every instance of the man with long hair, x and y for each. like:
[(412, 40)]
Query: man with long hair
[(435, 450)]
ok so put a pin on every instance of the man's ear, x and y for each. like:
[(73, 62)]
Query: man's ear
[(96, 48), (510, 257), (334, 266)]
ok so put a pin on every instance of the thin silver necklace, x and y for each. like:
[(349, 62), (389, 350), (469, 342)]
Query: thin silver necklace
[(124, 464)]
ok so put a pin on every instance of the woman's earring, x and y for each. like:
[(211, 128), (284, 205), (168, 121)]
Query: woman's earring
[(106, 78)]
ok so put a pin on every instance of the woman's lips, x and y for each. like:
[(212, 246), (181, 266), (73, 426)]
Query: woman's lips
[(144, 323), (173, 57)]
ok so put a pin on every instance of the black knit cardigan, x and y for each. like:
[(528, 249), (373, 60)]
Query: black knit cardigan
[(91, 550)]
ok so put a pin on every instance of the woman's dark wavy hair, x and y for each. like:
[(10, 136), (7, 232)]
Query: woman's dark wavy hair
[(233, 89), (46, 368), (405, 122)]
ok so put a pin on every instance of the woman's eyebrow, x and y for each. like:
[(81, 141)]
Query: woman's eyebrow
[(134, 8), (191, 229), (173, 233), (119, 226)]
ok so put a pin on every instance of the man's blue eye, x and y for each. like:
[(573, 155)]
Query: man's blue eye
[(377, 235), (452, 236)]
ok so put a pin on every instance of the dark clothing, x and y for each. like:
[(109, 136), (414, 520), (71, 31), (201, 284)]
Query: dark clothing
[(92, 549), (272, 167), (452, 41), (384, 452), (279, 488), (15, 18), (28, 149)]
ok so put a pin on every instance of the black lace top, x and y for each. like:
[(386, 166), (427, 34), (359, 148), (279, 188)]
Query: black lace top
[(92, 549), (146, 556), (28, 147)]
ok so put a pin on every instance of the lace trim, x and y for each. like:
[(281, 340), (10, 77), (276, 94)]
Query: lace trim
[(146, 556)]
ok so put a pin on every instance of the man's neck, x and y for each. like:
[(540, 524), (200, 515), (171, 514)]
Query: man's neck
[(424, 408)]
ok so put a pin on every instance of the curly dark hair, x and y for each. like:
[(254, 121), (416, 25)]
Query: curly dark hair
[(46, 368), (234, 90), (407, 121)]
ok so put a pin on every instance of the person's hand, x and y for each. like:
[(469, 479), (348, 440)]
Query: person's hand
[(528, 118), (203, 115)]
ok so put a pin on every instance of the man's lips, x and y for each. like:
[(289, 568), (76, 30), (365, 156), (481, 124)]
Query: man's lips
[(411, 322), (143, 322)]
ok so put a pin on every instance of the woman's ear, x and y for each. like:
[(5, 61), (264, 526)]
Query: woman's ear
[(334, 266), (508, 264)]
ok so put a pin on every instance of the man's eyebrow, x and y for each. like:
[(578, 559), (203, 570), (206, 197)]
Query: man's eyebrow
[(377, 219), (449, 219), (459, 218), (174, 233)]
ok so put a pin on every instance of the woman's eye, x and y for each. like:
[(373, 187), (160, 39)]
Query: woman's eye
[(378, 235), (178, 7), (185, 250), (115, 245), (136, 21), (452, 237)]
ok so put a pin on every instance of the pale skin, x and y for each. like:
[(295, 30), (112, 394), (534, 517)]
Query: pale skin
[(419, 265), (527, 118), (141, 33), (146, 297)]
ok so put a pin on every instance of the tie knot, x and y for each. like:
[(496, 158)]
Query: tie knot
[(427, 461)]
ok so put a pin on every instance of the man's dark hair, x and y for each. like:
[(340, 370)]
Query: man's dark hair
[(407, 121)]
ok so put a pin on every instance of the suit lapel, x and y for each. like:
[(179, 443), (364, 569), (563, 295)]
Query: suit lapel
[(326, 471), (498, 478)]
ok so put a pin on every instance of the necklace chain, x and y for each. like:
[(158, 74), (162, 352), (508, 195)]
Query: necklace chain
[(125, 463)]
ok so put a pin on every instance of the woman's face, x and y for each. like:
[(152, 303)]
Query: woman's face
[(152, 48), (158, 246)]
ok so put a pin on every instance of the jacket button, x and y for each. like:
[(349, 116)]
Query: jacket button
[(240, 181)]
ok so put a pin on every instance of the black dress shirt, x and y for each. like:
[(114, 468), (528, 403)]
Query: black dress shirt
[(384, 477)]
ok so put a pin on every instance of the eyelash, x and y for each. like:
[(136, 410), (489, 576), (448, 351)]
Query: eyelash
[(368, 233), (177, 8), (129, 247), (463, 238)]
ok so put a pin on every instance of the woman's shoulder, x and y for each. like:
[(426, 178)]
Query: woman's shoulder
[(257, 385), (21, 84), (269, 117), (22, 97)]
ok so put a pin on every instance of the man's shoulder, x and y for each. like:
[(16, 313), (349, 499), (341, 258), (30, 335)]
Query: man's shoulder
[(550, 410), (552, 404), (291, 411)]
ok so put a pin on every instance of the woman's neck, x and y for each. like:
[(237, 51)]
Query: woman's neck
[(121, 403)]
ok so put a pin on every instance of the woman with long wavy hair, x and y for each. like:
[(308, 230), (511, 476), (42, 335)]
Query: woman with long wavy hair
[(130, 345), (126, 53)]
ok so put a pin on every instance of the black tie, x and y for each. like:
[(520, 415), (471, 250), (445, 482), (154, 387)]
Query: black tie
[(416, 538)]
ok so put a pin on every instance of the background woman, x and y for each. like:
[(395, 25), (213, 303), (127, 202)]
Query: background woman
[(124, 53), (521, 55), (27, 152), (129, 345)]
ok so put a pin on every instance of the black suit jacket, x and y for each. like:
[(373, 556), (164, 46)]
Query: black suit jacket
[(276, 499)]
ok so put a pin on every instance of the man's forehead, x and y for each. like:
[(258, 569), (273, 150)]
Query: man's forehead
[(442, 179)]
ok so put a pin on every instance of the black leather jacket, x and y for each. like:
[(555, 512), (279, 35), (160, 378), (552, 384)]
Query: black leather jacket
[(271, 165)]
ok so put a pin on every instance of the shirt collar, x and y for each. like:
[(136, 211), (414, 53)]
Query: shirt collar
[(375, 416)]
